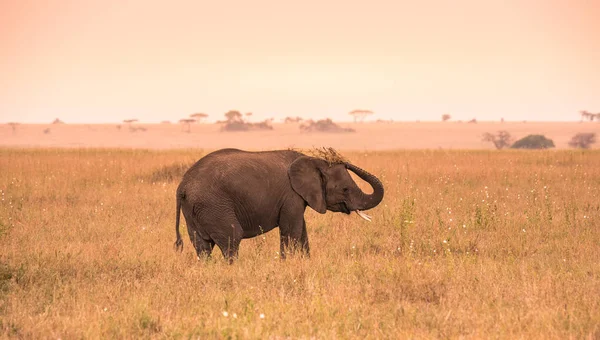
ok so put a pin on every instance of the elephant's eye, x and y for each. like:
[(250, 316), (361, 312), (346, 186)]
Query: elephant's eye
[(345, 190)]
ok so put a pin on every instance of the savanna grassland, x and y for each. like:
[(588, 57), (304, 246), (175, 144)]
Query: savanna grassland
[(368, 135), (474, 244)]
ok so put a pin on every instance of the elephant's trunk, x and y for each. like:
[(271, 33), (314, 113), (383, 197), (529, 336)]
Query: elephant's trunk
[(366, 202)]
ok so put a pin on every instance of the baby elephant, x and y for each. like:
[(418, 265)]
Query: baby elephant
[(230, 194)]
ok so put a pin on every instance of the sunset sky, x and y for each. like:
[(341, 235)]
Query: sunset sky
[(105, 61)]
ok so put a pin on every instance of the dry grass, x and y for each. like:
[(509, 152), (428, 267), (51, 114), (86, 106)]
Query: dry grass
[(476, 244)]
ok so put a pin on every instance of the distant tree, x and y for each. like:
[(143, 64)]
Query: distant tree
[(446, 117), (57, 121), (13, 125), (233, 116), (236, 122), (199, 117), (288, 120), (165, 122), (501, 140), (533, 142), (588, 115), (129, 122), (583, 140), (360, 115), (472, 121), (248, 115), (187, 122)]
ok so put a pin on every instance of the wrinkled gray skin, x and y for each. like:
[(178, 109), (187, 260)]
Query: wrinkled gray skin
[(230, 194)]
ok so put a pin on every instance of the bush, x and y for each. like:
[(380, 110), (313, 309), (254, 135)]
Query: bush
[(324, 125), (583, 140), (244, 126), (533, 142)]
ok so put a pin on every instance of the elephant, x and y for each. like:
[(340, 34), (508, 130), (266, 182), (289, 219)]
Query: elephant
[(230, 194)]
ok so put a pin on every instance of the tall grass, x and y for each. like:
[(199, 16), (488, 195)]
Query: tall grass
[(465, 244)]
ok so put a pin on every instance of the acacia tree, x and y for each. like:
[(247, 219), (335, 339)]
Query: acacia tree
[(187, 122), (589, 116), (501, 140), (446, 117), (360, 115), (233, 116), (129, 122), (13, 125), (199, 117)]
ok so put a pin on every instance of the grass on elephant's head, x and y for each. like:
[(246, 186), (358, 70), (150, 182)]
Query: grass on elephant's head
[(472, 244), (328, 154)]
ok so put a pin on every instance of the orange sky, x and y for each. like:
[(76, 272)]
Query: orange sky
[(105, 61)]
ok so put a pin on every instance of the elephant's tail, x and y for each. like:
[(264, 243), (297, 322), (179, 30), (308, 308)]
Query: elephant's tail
[(178, 242)]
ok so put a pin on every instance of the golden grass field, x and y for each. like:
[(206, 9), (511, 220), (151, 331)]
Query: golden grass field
[(368, 136), (466, 244)]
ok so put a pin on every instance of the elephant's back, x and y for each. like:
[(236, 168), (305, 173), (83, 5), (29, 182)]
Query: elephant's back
[(227, 168)]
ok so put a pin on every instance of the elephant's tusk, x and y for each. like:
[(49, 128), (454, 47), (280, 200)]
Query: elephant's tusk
[(363, 215)]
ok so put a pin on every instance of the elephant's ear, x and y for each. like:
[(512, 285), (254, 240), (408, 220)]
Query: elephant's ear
[(307, 181)]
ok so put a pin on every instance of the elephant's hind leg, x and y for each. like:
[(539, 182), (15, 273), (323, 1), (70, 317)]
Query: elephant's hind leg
[(228, 239), (203, 247)]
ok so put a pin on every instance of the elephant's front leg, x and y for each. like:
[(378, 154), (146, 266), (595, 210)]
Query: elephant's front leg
[(292, 234), (304, 239)]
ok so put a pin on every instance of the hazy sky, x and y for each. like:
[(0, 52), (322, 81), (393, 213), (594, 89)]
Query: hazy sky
[(105, 61)]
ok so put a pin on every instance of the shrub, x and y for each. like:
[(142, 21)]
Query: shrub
[(244, 126), (235, 122), (288, 120), (324, 125), (583, 140), (533, 142)]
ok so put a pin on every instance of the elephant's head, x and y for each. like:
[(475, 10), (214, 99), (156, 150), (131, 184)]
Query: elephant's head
[(326, 186)]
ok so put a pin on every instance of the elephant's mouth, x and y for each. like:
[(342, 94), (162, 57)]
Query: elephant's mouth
[(344, 208)]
